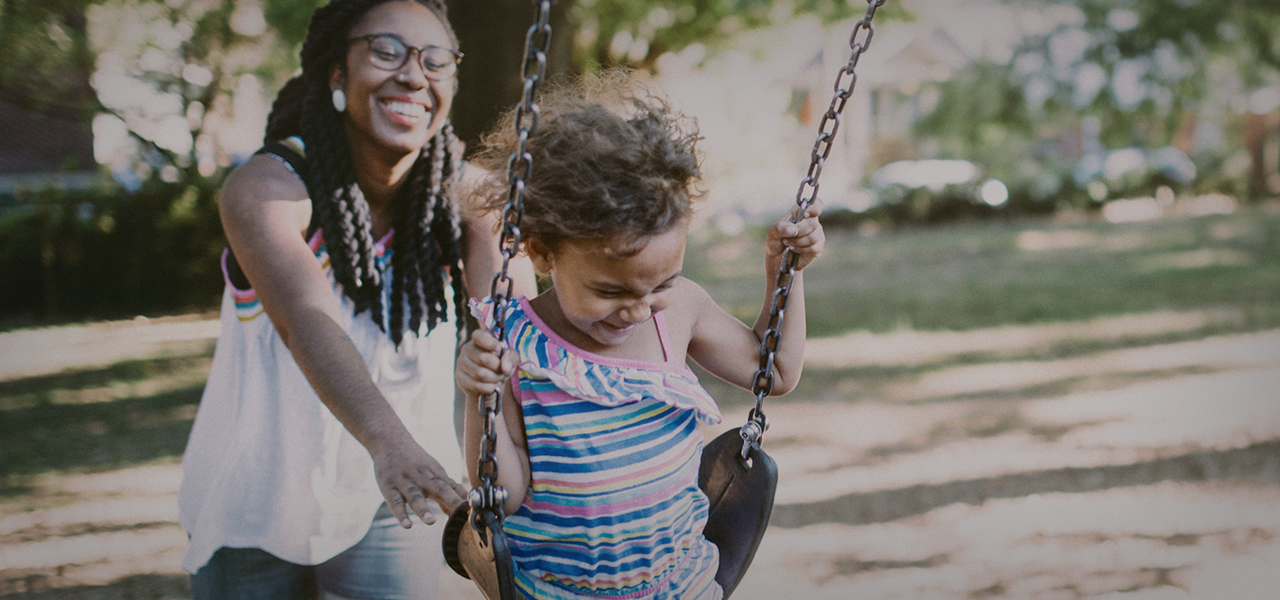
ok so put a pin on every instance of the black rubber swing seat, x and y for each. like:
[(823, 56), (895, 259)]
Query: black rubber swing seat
[(741, 494)]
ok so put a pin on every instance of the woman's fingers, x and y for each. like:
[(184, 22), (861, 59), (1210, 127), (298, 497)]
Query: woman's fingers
[(412, 489)]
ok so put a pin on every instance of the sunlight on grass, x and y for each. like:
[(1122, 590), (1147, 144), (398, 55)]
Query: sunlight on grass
[(984, 275)]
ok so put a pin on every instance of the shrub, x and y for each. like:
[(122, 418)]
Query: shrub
[(106, 253)]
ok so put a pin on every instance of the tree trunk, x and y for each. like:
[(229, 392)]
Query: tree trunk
[(492, 35)]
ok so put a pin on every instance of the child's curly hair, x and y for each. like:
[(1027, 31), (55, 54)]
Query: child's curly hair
[(611, 161)]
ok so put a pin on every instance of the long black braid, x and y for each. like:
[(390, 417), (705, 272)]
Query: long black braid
[(426, 249)]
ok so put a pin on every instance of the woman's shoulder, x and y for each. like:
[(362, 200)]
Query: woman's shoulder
[(260, 181), (265, 176)]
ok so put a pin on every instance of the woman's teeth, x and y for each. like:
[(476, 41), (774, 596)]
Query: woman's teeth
[(408, 109)]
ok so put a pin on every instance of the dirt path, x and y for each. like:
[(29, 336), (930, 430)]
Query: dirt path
[(925, 465)]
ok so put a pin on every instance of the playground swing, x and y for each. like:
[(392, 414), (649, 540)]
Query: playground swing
[(735, 473)]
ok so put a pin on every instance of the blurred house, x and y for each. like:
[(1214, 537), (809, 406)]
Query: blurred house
[(39, 151), (890, 94)]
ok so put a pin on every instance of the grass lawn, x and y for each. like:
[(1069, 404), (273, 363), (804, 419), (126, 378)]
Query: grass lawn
[(981, 275)]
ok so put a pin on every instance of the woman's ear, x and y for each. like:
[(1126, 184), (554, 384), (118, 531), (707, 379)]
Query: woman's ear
[(337, 77)]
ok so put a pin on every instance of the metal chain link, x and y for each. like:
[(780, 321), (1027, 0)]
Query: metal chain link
[(488, 496), (757, 423)]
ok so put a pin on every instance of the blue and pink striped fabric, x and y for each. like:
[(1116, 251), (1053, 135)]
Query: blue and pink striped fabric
[(614, 509)]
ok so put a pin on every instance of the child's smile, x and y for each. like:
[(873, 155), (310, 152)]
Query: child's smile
[(602, 295)]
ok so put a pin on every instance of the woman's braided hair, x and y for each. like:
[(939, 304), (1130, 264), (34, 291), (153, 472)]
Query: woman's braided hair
[(426, 246)]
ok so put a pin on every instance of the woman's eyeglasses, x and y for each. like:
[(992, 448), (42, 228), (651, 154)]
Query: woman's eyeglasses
[(388, 52)]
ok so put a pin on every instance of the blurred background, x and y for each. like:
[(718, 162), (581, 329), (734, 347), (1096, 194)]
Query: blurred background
[(118, 119), (1044, 340)]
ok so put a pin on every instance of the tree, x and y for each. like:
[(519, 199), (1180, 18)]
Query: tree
[(1151, 69), (492, 35), (47, 59), (181, 83), (1107, 74)]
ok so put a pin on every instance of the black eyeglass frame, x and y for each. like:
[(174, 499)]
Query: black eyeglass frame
[(429, 69)]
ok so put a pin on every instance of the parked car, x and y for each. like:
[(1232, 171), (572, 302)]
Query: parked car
[(1129, 172), (935, 190)]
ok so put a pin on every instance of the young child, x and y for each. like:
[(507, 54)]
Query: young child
[(600, 438)]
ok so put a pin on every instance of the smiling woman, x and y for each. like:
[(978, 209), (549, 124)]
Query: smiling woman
[(326, 421)]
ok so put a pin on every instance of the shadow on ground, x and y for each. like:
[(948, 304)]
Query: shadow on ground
[(133, 587), (1259, 461)]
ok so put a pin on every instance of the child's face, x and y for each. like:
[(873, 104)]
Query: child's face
[(606, 297)]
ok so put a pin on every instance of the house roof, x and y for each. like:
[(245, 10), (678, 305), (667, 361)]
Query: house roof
[(32, 143)]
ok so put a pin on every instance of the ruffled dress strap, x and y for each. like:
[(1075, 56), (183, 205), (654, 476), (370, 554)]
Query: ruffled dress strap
[(603, 380)]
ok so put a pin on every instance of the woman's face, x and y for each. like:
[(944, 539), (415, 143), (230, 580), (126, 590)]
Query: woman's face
[(394, 110)]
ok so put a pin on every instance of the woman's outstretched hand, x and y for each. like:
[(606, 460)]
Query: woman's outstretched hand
[(805, 237), (408, 477)]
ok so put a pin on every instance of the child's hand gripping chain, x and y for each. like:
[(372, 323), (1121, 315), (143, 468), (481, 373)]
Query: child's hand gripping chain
[(805, 237)]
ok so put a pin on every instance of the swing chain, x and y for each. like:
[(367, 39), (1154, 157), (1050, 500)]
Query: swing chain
[(763, 385), (488, 496)]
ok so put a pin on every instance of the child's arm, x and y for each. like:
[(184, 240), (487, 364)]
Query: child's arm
[(480, 372), (726, 348)]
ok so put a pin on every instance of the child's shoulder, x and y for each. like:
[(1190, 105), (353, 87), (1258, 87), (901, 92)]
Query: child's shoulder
[(690, 301), (689, 289)]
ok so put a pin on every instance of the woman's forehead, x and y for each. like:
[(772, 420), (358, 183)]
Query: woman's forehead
[(411, 21)]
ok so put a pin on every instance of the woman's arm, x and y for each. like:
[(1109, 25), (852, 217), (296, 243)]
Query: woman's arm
[(265, 210), (726, 348), (481, 373)]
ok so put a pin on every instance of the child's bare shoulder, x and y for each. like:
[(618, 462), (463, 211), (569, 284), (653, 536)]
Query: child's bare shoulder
[(689, 303)]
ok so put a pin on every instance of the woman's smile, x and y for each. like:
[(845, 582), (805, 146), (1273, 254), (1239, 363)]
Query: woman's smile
[(405, 112)]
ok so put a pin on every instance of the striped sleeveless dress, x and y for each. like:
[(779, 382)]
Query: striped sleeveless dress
[(613, 509)]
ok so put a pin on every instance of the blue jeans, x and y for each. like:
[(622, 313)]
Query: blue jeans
[(390, 563)]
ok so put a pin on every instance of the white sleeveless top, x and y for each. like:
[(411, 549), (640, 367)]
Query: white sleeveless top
[(268, 465)]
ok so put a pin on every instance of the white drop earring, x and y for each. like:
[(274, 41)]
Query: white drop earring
[(339, 101)]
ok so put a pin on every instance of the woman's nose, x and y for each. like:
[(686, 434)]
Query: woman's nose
[(412, 74)]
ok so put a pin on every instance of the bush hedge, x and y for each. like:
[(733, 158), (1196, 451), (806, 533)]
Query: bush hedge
[(110, 254)]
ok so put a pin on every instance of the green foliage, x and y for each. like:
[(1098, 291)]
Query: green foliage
[(46, 60), (982, 115), (289, 18), (657, 26), (1156, 67), (1181, 50), (1245, 26), (183, 63), (105, 254)]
